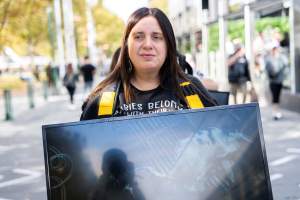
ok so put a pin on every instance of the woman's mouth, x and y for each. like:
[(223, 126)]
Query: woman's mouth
[(147, 56)]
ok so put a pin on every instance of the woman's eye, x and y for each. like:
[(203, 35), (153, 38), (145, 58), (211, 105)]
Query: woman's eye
[(138, 37), (157, 37)]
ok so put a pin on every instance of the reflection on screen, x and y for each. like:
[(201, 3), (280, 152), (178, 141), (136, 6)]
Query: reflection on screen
[(209, 155)]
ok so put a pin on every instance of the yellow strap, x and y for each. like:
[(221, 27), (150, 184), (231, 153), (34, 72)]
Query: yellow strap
[(184, 83), (194, 101), (106, 103)]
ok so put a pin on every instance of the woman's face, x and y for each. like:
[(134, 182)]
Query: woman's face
[(147, 47)]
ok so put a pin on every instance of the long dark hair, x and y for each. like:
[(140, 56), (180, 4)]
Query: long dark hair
[(114, 59), (170, 73)]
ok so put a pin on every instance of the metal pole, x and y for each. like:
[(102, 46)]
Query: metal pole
[(292, 46), (91, 32), (30, 92), (45, 89), (50, 29), (205, 43), (59, 55), (249, 34), (71, 55), (222, 43), (8, 105)]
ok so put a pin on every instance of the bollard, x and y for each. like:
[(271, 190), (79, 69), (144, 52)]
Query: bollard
[(45, 90), (30, 93), (8, 105)]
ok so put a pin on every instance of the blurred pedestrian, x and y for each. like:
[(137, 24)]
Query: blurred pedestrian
[(49, 75), (69, 81), (276, 63), (88, 71), (238, 72), (147, 77)]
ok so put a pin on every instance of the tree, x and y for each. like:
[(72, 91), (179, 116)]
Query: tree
[(23, 26), (109, 29), (236, 29)]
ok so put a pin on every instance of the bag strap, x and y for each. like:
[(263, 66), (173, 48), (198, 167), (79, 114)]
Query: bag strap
[(192, 98), (107, 101)]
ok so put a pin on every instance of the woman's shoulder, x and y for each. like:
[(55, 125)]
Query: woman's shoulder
[(197, 86), (194, 80), (90, 108)]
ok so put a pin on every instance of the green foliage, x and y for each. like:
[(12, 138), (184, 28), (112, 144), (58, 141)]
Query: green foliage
[(280, 23), (24, 27), (236, 29), (213, 37), (109, 29)]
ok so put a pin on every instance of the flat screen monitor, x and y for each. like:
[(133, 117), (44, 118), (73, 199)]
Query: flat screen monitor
[(205, 154)]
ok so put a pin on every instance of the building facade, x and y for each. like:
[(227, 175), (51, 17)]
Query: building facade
[(191, 20)]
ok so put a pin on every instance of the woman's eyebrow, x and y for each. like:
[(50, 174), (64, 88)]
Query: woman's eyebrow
[(157, 33), (138, 33)]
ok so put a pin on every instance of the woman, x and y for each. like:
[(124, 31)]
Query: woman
[(276, 63), (147, 77), (69, 81)]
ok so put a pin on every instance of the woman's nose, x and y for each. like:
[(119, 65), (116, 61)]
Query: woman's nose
[(148, 42)]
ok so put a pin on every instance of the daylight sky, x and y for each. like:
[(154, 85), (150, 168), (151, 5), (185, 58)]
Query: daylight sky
[(123, 8)]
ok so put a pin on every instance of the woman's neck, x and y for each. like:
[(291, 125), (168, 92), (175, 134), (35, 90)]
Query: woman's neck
[(145, 82)]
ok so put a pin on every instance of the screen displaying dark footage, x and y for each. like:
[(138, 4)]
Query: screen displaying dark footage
[(207, 154)]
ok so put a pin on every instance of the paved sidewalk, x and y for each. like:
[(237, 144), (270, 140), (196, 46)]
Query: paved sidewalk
[(282, 139)]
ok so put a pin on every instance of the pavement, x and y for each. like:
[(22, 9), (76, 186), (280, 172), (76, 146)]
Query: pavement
[(22, 172)]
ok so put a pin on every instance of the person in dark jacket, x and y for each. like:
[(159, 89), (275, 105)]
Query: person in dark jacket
[(147, 77), (88, 71), (238, 72)]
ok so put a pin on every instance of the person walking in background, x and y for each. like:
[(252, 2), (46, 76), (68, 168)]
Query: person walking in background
[(276, 63), (88, 71), (69, 81), (238, 72)]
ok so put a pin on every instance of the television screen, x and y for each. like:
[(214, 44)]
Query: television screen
[(205, 154)]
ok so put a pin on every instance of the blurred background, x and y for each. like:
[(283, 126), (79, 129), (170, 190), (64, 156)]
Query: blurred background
[(39, 38)]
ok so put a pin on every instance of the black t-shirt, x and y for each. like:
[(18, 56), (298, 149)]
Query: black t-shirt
[(143, 102), (147, 102), (87, 71)]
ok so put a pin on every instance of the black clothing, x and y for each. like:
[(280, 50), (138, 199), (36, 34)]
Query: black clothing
[(71, 91), (185, 66), (275, 90), (69, 82), (146, 102), (117, 181), (239, 71), (87, 71)]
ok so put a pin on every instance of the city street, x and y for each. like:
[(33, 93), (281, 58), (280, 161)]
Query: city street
[(62, 47), (22, 173)]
